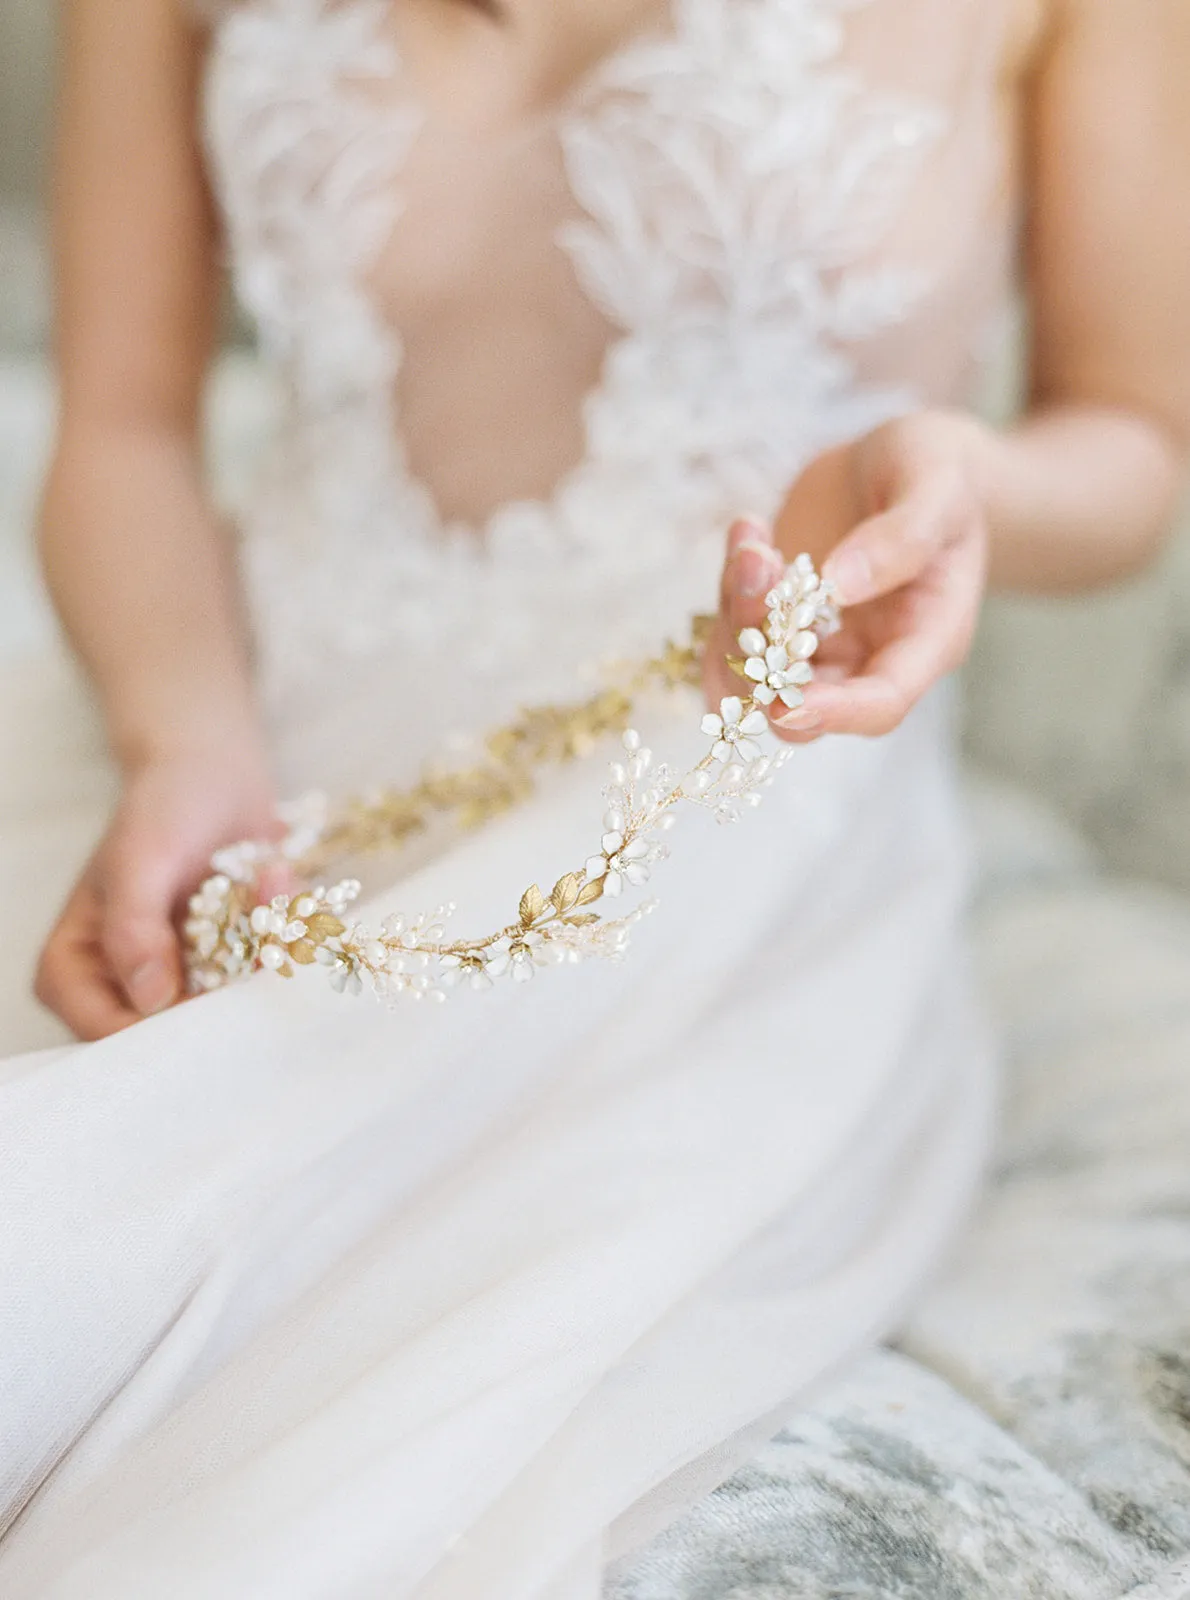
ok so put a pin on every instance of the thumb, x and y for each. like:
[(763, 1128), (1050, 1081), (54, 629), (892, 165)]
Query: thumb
[(753, 566), (137, 934)]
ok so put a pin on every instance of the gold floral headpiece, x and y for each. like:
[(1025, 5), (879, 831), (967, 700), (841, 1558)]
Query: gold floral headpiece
[(229, 935)]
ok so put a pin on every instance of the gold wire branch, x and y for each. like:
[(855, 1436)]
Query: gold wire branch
[(230, 935)]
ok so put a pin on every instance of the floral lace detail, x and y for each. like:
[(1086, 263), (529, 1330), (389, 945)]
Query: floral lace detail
[(734, 176)]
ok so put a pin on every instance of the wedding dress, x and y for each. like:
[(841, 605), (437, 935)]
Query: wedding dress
[(304, 1298)]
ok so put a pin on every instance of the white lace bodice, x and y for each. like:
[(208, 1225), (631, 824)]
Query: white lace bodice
[(532, 370)]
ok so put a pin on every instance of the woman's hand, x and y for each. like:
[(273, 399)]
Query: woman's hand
[(114, 955), (896, 521)]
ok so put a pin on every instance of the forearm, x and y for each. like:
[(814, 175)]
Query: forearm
[(142, 576), (1076, 495)]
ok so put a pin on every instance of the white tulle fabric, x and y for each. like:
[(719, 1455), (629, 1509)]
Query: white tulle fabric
[(306, 1301)]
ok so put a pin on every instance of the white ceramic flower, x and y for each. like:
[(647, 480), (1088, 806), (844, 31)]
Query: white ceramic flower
[(620, 862), (776, 676), (469, 969), (520, 956), (343, 971), (734, 733)]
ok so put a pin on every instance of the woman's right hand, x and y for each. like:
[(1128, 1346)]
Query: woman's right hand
[(114, 955)]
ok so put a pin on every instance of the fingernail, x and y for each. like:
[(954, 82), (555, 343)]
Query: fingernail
[(747, 527), (151, 987), (799, 721), (851, 574), (755, 570)]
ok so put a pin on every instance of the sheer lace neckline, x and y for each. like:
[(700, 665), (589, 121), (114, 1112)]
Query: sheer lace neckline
[(735, 178), (564, 119)]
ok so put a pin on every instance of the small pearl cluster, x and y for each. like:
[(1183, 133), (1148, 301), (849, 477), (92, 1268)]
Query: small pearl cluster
[(230, 936)]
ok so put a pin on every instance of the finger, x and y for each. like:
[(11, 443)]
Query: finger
[(841, 655), (718, 679), (138, 935), (753, 566), (73, 979), (889, 550), (901, 672), (749, 529), (78, 987), (276, 878)]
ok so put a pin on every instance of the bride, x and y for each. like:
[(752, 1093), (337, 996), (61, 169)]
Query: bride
[(309, 1298)]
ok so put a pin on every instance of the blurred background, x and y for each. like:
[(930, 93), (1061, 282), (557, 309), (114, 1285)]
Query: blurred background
[(1087, 702)]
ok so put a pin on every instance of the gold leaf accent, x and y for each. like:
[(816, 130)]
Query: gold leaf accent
[(702, 627), (679, 664), (581, 919), (566, 891), (589, 892), (532, 905), (325, 926), (302, 951)]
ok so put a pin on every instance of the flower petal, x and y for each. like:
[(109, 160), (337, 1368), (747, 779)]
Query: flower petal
[(636, 872), (763, 695), (612, 842), (755, 722), (776, 658), (596, 866), (712, 724), (756, 669), (731, 709), (747, 750), (722, 751), (634, 851), (613, 884), (793, 698)]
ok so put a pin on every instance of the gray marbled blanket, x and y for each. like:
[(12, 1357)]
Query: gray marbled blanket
[(1030, 1437)]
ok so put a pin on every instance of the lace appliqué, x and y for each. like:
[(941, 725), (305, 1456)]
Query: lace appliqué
[(734, 176)]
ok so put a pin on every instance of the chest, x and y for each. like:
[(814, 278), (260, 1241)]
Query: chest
[(751, 197)]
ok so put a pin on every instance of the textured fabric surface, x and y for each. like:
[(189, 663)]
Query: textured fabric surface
[(1031, 1437)]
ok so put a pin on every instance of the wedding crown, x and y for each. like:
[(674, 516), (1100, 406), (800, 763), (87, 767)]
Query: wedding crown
[(228, 935)]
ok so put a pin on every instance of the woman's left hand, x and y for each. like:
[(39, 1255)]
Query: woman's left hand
[(895, 520)]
